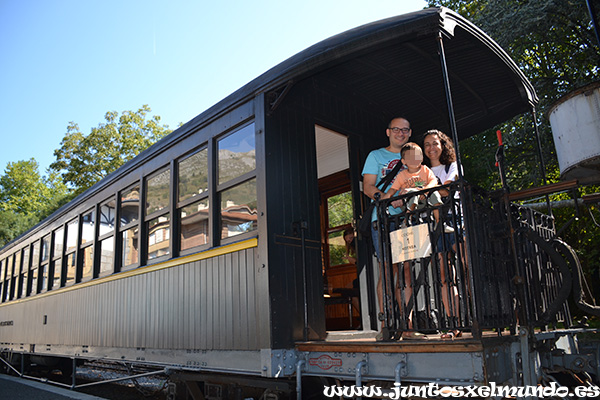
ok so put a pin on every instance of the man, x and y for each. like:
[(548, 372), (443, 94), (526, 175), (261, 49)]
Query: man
[(381, 161), (378, 164)]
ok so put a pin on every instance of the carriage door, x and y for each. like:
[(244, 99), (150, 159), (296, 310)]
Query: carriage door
[(341, 290)]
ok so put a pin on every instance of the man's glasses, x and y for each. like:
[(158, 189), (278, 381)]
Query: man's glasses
[(398, 130)]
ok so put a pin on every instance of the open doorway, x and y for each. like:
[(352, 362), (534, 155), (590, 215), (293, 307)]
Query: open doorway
[(341, 290)]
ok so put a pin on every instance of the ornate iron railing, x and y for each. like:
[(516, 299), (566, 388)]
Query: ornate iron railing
[(491, 272)]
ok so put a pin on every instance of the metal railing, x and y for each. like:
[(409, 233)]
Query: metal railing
[(489, 273)]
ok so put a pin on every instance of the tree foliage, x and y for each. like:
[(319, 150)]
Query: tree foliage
[(83, 160), (554, 44), (26, 197), (25, 191)]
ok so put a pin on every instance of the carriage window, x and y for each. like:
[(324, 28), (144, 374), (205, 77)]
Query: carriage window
[(236, 164), (87, 264), (157, 215), (130, 205), (70, 254), (35, 261), (57, 257), (157, 192), (193, 205), (8, 278), (44, 265), (107, 217), (16, 284), (88, 223), (194, 225), (159, 236), (1, 280), (237, 154), (128, 217), (25, 273), (45, 248), (107, 256), (58, 241), (238, 209), (72, 235), (71, 269), (193, 175), (130, 240)]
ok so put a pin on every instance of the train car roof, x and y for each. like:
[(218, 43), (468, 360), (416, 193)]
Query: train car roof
[(392, 65)]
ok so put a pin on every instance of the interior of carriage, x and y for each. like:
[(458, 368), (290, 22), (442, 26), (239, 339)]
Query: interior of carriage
[(340, 271)]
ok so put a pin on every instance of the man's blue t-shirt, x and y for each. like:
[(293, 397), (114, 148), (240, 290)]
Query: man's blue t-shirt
[(380, 162)]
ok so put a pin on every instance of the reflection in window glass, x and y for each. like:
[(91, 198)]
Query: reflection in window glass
[(45, 248), (57, 273), (43, 278), (238, 209), (16, 275), (88, 222), (33, 288), (88, 264), (130, 205), (194, 225), (193, 175), (130, 242), (35, 258), (72, 235), (157, 191), (71, 269), (25, 270), (107, 217), (17, 267), (58, 242), (9, 268), (237, 154), (107, 256), (159, 237)]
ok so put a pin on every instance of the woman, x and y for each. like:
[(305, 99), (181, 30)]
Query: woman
[(442, 158)]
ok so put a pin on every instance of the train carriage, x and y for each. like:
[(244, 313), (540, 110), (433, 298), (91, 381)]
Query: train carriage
[(215, 253)]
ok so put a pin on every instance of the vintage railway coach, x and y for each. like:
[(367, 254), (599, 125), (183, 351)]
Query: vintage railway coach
[(209, 253)]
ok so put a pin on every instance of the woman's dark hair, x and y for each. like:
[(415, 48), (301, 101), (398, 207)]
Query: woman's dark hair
[(448, 155)]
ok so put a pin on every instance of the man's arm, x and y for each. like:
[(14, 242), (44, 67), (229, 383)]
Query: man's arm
[(369, 187)]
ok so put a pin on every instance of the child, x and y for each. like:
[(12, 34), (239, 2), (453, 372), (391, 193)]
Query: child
[(416, 177)]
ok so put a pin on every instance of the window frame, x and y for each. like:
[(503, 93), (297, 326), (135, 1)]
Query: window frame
[(197, 198), (165, 211), (219, 188)]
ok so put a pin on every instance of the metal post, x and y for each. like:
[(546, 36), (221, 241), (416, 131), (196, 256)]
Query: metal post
[(541, 156), (463, 192), (359, 368), (299, 367), (302, 226)]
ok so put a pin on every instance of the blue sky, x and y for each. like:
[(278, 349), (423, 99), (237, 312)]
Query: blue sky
[(67, 60)]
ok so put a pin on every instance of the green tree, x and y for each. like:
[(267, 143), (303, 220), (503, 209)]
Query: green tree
[(12, 225), (83, 160), (25, 191), (26, 197)]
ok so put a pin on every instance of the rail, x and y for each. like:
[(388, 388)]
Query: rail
[(452, 266)]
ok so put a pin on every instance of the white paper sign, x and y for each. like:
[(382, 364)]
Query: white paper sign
[(410, 243)]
